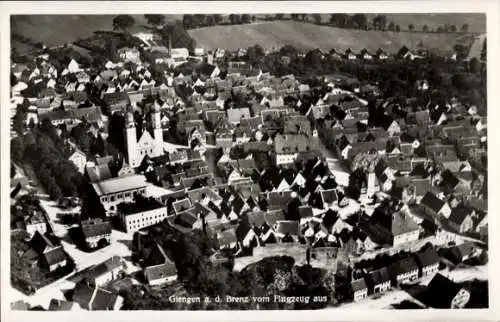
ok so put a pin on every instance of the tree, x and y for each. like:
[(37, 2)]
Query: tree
[(188, 21), (398, 28), (123, 22), (465, 27), (245, 18), (217, 18), (483, 51), (440, 29), (234, 19), (359, 21), (391, 26), (474, 65), (425, 28), (155, 20), (179, 37), (453, 28), (278, 16), (317, 18), (379, 22), (411, 27), (255, 54), (294, 16)]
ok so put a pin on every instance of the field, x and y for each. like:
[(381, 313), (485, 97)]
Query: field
[(55, 30), (60, 29), (307, 36)]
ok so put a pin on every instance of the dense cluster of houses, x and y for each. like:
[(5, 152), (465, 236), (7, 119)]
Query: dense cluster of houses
[(415, 164)]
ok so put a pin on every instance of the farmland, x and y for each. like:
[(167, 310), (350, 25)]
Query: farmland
[(275, 34)]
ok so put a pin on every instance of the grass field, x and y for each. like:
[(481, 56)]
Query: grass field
[(305, 35), (60, 29), (55, 30)]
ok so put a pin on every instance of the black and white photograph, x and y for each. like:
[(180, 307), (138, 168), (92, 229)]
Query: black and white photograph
[(193, 160)]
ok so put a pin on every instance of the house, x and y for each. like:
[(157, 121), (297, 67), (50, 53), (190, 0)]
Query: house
[(96, 232), (381, 54), (235, 115), (79, 159), (359, 289), (460, 253), (114, 191), (227, 239), (428, 261), (434, 206), (129, 54), (288, 146), (288, 231), (159, 269), (105, 272), (36, 222), (451, 295), (54, 258), (349, 54), (403, 229), (461, 219), (94, 298), (379, 280), (403, 271)]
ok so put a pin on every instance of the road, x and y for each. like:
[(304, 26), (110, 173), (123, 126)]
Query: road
[(119, 245), (477, 47)]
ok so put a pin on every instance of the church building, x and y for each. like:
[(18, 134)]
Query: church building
[(151, 145)]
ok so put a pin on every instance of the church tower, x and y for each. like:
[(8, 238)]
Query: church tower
[(157, 130), (131, 141)]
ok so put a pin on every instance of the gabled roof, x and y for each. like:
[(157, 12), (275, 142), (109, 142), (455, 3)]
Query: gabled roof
[(428, 257), (403, 266), (55, 256), (329, 196), (459, 213), (359, 285), (379, 276), (290, 227), (156, 272), (446, 288), (93, 228), (431, 201)]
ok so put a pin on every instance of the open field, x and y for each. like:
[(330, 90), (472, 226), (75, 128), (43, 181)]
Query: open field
[(61, 29), (275, 34)]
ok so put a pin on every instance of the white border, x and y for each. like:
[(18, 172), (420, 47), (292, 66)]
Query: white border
[(490, 7)]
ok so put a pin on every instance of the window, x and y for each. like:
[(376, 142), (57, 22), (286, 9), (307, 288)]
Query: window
[(112, 198)]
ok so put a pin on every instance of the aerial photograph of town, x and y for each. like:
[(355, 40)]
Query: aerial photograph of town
[(248, 161)]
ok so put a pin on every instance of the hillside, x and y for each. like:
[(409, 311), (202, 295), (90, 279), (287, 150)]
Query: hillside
[(275, 34), (60, 29)]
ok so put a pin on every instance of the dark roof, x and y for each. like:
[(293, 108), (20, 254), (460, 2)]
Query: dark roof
[(379, 276), (329, 196), (431, 201), (446, 288), (428, 257), (403, 266), (55, 256), (93, 228), (459, 213), (289, 227), (359, 285), (305, 212), (104, 299)]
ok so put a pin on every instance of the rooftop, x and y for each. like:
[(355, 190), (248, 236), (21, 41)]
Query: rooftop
[(119, 184)]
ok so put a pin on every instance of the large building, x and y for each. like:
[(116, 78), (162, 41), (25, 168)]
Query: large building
[(141, 213), (150, 145), (114, 191)]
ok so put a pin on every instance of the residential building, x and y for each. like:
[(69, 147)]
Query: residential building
[(114, 191), (428, 261), (403, 229), (96, 232), (379, 280), (105, 272), (403, 271), (96, 298), (451, 294), (141, 213), (434, 206), (360, 290)]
